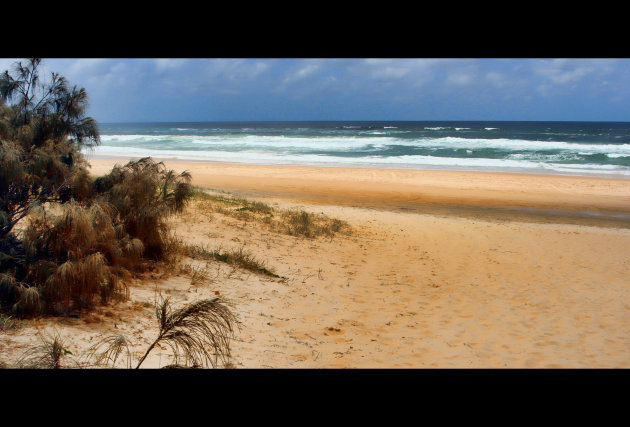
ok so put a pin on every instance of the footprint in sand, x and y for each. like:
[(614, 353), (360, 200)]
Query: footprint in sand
[(300, 357)]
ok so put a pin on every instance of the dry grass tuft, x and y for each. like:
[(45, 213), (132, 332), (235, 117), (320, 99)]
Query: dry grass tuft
[(198, 275), (9, 323), (48, 354), (198, 335), (107, 351), (300, 223), (29, 300)]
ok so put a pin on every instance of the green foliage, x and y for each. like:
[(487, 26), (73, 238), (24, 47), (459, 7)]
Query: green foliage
[(238, 257), (294, 222), (42, 129), (298, 222), (45, 110)]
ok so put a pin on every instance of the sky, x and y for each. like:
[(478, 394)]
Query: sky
[(303, 89)]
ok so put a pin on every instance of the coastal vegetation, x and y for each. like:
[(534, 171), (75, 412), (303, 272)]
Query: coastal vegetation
[(69, 241), (239, 257), (198, 335), (293, 222)]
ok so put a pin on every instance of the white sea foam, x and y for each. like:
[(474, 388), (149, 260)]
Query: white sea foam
[(405, 161), (350, 143), (522, 144), (514, 154), (228, 142), (114, 138), (541, 157)]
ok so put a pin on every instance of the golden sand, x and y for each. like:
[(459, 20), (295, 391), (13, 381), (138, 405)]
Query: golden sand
[(444, 269), (391, 188)]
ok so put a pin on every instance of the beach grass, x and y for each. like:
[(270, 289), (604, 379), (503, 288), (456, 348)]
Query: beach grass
[(10, 323), (198, 335), (239, 257), (294, 222)]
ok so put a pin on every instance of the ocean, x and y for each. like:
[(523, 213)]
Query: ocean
[(570, 148)]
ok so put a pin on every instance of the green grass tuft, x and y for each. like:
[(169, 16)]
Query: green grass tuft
[(238, 257), (294, 222)]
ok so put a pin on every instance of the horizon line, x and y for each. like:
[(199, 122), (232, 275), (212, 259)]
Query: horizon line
[(365, 120)]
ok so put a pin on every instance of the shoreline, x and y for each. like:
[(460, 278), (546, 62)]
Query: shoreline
[(378, 166), (588, 200)]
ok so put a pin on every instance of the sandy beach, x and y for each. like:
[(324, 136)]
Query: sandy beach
[(314, 213), (443, 269), (473, 194)]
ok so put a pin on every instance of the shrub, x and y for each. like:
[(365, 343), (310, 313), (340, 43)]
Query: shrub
[(145, 193), (43, 127), (73, 261), (107, 226)]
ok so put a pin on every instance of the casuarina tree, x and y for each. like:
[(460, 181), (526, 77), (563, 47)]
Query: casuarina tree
[(71, 257)]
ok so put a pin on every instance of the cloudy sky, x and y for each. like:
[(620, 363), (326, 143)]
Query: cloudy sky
[(145, 90)]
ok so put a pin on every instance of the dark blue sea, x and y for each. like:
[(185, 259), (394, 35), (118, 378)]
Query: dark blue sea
[(583, 148)]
